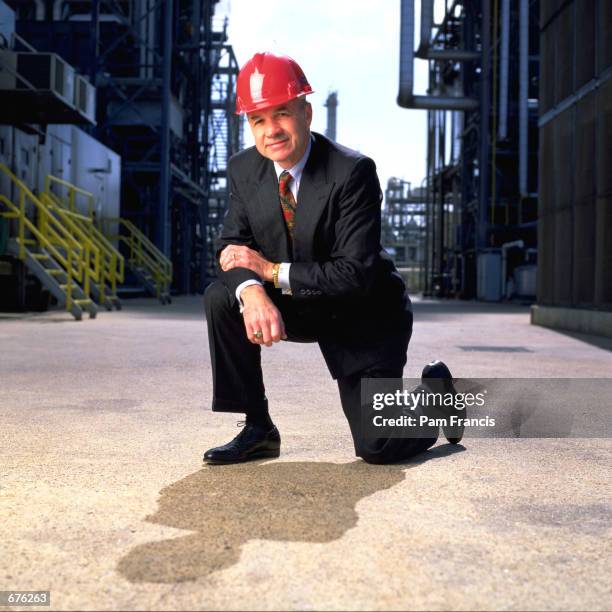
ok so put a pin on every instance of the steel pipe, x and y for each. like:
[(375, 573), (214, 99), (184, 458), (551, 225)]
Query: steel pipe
[(523, 95), (504, 69)]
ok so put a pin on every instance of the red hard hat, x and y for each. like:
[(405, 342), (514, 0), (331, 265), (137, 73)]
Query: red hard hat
[(269, 80)]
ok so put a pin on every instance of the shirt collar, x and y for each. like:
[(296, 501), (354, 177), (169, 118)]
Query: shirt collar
[(295, 171)]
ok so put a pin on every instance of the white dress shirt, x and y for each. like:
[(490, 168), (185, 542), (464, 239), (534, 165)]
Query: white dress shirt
[(294, 186)]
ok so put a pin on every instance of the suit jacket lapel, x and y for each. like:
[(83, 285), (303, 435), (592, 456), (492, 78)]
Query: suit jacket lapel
[(311, 201)]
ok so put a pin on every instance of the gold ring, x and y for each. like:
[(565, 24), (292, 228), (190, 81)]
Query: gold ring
[(258, 334)]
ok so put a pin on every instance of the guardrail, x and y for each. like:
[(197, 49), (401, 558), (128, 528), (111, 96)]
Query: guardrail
[(142, 253), (70, 202), (112, 262), (78, 258)]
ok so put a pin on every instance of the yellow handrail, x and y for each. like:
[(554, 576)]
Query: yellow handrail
[(142, 252), (92, 251), (69, 246), (73, 192), (80, 258), (112, 262)]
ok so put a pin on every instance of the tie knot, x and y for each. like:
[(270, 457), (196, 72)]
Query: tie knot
[(284, 179)]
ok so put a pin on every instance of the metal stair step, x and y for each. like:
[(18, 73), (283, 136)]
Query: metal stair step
[(82, 302), (44, 275), (55, 271), (40, 256)]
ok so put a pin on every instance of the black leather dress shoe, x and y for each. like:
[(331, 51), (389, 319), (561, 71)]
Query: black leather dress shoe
[(253, 442), (438, 378)]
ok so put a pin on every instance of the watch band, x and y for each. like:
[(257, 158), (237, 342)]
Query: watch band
[(275, 269)]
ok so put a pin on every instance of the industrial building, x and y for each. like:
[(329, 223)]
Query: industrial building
[(123, 111), (117, 121), (575, 163), (478, 203), (516, 200), (117, 126)]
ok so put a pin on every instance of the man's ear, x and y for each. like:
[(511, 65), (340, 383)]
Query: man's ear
[(308, 111)]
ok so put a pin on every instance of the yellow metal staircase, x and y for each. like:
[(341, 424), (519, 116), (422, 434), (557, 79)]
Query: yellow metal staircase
[(66, 248), (64, 262), (148, 264), (112, 265)]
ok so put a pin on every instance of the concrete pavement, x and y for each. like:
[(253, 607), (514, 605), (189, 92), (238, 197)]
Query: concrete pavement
[(104, 500)]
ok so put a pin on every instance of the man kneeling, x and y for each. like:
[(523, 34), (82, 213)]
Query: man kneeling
[(300, 259)]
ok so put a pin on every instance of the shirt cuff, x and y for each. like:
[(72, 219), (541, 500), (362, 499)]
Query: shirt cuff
[(244, 285), (283, 278)]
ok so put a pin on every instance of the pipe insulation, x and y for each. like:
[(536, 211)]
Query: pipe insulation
[(426, 24), (406, 97), (406, 60)]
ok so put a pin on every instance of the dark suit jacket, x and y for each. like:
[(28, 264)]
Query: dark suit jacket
[(339, 268)]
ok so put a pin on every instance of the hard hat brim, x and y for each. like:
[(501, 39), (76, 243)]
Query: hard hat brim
[(269, 102)]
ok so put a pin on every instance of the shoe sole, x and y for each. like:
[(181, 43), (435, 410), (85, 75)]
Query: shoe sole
[(267, 454), (454, 434), (452, 440)]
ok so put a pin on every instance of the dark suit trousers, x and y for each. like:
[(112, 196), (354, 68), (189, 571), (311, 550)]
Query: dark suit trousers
[(238, 381)]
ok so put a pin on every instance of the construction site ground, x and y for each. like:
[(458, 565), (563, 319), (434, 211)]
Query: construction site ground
[(105, 502)]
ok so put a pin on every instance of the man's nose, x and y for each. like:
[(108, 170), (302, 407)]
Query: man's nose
[(273, 129)]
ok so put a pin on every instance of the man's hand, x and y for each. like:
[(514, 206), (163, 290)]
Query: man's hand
[(235, 256), (260, 314)]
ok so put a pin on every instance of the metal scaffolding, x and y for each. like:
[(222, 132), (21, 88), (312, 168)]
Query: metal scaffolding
[(403, 230), (225, 138), (165, 79), (482, 142)]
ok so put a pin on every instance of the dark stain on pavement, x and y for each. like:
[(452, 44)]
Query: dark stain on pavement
[(226, 506), (100, 406), (579, 518), (593, 518)]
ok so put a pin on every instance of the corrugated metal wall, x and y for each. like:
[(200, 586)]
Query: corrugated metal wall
[(575, 161)]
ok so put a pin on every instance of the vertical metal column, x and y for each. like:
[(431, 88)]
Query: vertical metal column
[(441, 216), (93, 40), (163, 235), (197, 99), (206, 84), (428, 195), (523, 99), (485, 85)]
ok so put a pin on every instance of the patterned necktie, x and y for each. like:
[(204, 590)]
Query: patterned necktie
[(287, 201)]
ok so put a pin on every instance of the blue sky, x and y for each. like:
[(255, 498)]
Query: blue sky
[(348, 46)]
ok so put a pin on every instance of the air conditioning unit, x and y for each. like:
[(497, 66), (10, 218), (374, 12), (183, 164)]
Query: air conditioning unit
[(46, 72), (85, 98), (43, 88)]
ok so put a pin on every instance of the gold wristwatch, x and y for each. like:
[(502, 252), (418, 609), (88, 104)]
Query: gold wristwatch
[(275, 271)]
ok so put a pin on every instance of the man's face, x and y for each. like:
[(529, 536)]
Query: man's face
[(281, 132)]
